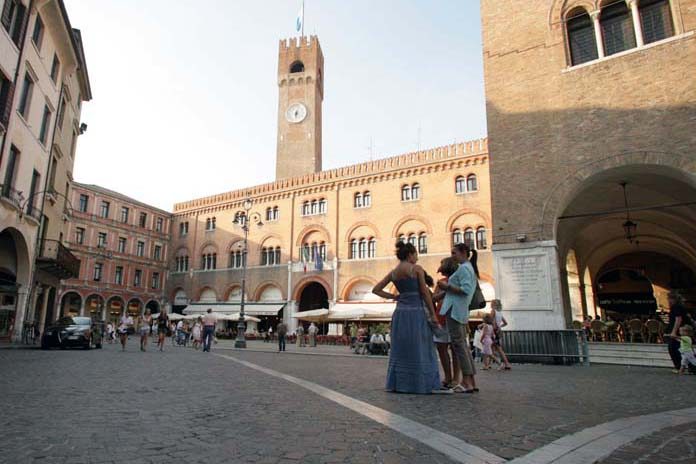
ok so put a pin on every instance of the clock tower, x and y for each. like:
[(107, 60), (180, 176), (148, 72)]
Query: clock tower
[(300, 95)]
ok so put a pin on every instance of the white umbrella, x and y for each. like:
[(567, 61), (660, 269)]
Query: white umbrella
[(235, 317), (171, 316), (316, 315)]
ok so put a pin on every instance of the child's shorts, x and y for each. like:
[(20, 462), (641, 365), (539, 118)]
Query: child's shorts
[(688, 358)]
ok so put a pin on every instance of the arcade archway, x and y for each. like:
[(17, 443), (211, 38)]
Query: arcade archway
[(70, 304), (625, 237), (94, 305), (114, 309)]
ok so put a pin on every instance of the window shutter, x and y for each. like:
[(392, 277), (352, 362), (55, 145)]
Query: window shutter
[(21, 23), (7, 14), (6, 101), (656, 20)]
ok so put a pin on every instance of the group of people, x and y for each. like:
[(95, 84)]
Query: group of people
[(431, 321), (202, 332)]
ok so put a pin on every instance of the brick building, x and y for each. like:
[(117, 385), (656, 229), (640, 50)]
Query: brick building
[(591, 108), (326, 236), (122, 245)]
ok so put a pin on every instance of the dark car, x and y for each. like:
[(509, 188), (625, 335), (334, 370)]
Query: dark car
[(73, 331)]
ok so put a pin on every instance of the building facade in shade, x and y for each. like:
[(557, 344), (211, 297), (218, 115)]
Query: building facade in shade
[(44, 82), (320, 238), (122, 245), (591, 108)]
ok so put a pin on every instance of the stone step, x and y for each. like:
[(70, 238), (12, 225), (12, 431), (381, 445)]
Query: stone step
[(628, 347), (631, 361)]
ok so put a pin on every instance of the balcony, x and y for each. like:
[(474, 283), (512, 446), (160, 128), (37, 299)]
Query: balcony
[(10, 195), (57, 260)]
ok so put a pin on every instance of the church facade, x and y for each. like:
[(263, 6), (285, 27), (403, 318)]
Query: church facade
[(320, 238)]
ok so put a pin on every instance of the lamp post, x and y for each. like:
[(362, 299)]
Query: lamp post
[(243, 221)]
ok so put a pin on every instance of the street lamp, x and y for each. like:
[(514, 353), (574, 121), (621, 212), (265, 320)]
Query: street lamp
[(243, 221)]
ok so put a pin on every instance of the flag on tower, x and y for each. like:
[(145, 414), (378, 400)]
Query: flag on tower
[(299, 22)]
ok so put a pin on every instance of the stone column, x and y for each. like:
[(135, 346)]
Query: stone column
[(83, 303), (32, 306), (44, 309), (598, 33), (20, 310), (637, 26), (335, 279)]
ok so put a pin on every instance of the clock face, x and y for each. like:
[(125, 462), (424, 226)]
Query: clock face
[(296, 113)]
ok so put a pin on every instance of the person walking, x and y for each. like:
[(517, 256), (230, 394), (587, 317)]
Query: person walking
[(282, 331), (498, 323), (196, 333), (459, 291), (487, 341), (110, 332), (209, 321), (413, 365), (162, 328), (312, 331), (123, 326), (299, 332), (145, 322), (677, 318)]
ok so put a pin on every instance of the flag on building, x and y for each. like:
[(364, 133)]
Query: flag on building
[(299, 21), (305, 257), (319, 262)]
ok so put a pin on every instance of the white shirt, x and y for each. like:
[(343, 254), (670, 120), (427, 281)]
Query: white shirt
[(125, 322), (377, 338), (179, 325)]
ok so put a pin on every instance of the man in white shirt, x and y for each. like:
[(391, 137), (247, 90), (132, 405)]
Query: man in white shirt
[(209, 321), (377, 344), (312, 331)]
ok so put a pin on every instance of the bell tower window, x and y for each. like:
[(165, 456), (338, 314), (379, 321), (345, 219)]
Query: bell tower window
[(297, 67)]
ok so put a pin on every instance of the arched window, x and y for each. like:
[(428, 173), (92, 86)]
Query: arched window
[(481, 238), (367, 199), (276, 213), (457, 237), (236, 259), (402, 238), (277, 255), (617, 28), (582, 42), (422, 243), (264, 257), (353, 249), (322, 206), (459, 184), (413, 239), (314, 206), (209, 261), (656, 20), (297, 67), (471, 183), (305, 208), (240, 218), (322, 250), (415, 192), (469, 237), (362, 248), (272, 213), (372, 248), (406, 193), (306, 252), (358, 200)]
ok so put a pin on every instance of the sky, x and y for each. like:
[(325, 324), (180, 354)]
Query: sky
[(185, 91)]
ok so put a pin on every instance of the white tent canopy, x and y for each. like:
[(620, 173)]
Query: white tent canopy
[(362, 310), (171, 316), (315, 315), (252, 309)]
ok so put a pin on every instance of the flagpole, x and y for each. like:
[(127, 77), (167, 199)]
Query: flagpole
[(302, 18)]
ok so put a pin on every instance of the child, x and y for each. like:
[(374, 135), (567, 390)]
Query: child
[(686, 348), (487, 341)]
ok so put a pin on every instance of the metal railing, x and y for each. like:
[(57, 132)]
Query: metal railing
[(11, 194), (54, 251), (546, 346)]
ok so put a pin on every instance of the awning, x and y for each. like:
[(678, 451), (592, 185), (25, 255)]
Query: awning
[(251, 309), (315, 315), (360, 311)]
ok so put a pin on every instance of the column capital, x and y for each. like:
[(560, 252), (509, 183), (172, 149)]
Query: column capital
[(632, 3), (595, 15)]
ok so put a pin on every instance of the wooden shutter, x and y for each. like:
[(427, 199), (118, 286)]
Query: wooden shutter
[(20, 24), (6, 97), (7, 13)]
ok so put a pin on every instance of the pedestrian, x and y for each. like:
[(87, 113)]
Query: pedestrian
[(459, 291), (686, 348), (110, 332), (123, 326), (282, 331), (313, 330), (413, 366), (498, 323), (487, 341), (677, 318), (299, 332), (209, 321), (196, 333), (443, 343), (162, 328), (145, 322)]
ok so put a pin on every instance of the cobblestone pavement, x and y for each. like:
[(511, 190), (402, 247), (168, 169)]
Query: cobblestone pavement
[(671, 445), (105, 406)]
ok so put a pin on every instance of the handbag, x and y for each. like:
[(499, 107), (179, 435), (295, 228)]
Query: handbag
[(478, 301)]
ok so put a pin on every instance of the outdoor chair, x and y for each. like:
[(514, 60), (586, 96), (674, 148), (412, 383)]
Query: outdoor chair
[(654, 329), (612, 331), (599, 330), (577, 325), (635, 328)]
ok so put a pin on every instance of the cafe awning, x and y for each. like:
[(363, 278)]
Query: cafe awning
[(362, 311), (315, 315), (251, 309)]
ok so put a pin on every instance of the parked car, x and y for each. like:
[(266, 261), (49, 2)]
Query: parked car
[(73, 331)]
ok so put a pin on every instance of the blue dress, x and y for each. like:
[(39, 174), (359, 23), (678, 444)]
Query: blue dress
[(413, 365)]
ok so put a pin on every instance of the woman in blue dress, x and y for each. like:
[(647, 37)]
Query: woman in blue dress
[(413, 365)]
